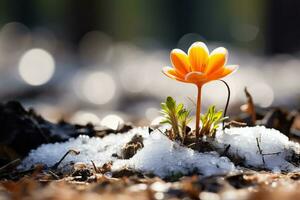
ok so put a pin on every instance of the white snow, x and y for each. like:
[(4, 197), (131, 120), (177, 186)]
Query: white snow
[(99, 150), (275, 147), (163, 157), (159, 155)]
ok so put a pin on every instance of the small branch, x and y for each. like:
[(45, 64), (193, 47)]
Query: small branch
[(236, 124), (191, 100), (161, 131), (14, 162), (226, 150), (190, 145), (53, 174), (260, 151), (270, 154), (64, 156), (95, 168), (227, 102), (251, 107)]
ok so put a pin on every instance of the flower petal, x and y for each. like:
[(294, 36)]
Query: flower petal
[(172, 73), (198, 56), (195, 77), (217, 59), (180, 61), (224, 71)]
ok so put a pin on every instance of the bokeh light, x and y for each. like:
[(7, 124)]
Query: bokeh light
[(84, 117), (112, 121), (262, 93), (98, 88), (156, 121), (36, 67)]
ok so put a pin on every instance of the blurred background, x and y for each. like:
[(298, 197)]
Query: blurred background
[(100, 61)]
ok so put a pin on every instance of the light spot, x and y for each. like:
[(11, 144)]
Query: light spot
[(160, 187), (262, 94), (98, 88), (36, 67), (131, 74), (159, 195), (83, 118), (112, 121), (209, 196), (156, 121)]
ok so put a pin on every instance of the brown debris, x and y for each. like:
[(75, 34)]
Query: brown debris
[(279, 119), (71, 151), (122, 128), (84, 184), (105, 168), (126, 173), (233, 123), (249, 107), (132, 147), (82, 174)]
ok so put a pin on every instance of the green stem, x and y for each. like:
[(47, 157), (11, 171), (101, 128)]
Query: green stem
[(175, 126), (198, 111)]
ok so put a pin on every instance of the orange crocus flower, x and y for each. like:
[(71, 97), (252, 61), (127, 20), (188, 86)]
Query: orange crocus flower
[(199, 67)]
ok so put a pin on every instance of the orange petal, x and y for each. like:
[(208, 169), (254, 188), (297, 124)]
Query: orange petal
[(217, 59), (198, 56), (224, 71), (172, 73), (180, 61), (195, 77)]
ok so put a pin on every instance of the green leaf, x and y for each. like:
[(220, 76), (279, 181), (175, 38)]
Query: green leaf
[(175, 115), (211, 120), (179, 108), (165, 122), (170, 102)]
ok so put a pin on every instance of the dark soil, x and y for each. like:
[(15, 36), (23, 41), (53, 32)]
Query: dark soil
[(23, 130)]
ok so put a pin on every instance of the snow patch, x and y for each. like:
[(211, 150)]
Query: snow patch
[(259, 147), (164, 157), (99, 150), (159, 155)]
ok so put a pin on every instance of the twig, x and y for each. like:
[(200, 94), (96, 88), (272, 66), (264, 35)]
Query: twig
[(160, 131), (227, 102), (10, 164), (226, 150), (190, 145), (191, 100), (95, 168), (260, 151), (270, 154), (53, 174), (236, 124), (68, 152), (18, 173), (251, 107)]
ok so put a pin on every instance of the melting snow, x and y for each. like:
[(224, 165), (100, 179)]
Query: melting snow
[(164, 157), (259, 147)]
